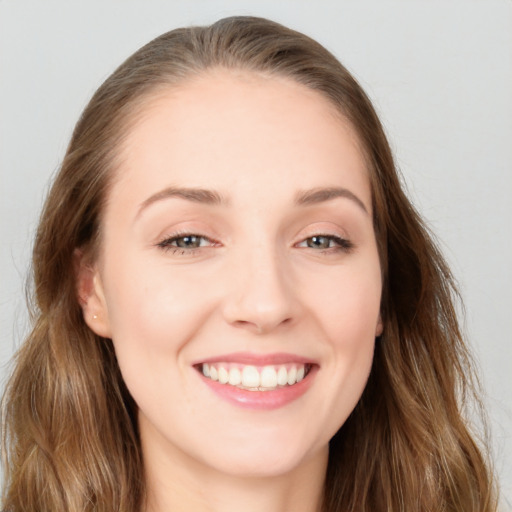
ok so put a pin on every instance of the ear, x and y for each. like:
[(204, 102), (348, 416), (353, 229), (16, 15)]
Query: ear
[(90, 294), (379, 327)]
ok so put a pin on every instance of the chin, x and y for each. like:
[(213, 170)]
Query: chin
[(265, 460)]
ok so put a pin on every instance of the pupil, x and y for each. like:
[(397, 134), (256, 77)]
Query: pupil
[(319, 241), (188, 241)]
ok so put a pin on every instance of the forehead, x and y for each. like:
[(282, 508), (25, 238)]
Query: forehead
[(223, 128)]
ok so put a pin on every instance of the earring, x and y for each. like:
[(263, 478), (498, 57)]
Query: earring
[(95, 317)]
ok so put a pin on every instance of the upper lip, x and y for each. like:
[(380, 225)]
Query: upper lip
[(250, 358)]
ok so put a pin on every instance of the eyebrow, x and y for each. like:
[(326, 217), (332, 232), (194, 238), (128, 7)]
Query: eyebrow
[(320, 195), (211, 197), (196, 195)]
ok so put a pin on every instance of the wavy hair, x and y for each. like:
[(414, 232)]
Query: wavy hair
[(69, 424)]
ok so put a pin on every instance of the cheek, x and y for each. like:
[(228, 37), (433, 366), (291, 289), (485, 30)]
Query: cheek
[(153, 315), (347, 303), (346, 307), (155, 302), (354, 318)]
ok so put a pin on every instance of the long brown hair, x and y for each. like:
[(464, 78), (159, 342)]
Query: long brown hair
[(69, 424)]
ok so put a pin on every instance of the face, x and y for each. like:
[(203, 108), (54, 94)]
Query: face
[(238, 275)]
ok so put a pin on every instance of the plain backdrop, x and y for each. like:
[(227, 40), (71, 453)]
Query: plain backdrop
[(440, 75)]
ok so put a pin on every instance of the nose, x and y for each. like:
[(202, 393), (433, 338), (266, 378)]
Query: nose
[(261, 297)]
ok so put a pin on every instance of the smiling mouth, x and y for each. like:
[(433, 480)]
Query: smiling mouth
[(255, 378)]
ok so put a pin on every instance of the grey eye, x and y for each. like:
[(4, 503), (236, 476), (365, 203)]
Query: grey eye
[(188, 241), (184, 242), (319, 242)]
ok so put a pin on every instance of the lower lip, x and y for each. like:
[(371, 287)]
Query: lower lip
[(262, 400)]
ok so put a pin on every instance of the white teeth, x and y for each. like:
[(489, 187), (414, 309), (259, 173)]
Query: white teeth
[(250, 377), (255, 379), (282, 376), (292, 375), (223, 375), (268, 377), (235, 376)]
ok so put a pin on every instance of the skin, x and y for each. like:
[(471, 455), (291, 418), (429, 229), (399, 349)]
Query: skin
[(256, 284)]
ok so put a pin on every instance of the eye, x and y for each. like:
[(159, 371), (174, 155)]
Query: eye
[(326, 242), (185, 241)]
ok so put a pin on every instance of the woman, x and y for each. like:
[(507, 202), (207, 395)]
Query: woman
[(237, 306)]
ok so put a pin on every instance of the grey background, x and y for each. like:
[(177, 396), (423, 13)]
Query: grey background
[(439, 72)]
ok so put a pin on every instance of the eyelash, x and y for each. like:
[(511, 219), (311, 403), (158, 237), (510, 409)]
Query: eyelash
[(340, 244), (166, 243)]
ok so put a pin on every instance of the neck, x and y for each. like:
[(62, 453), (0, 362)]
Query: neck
[(182, 485)]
